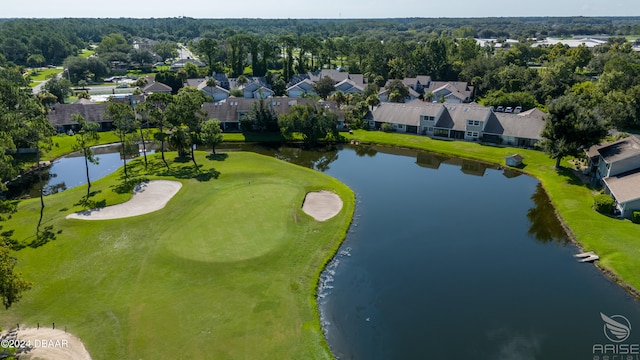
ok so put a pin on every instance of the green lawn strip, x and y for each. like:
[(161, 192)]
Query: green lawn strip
[(228, 269), (615, 241), (85, 53), (253, 137), (63, 144), (44, 74)]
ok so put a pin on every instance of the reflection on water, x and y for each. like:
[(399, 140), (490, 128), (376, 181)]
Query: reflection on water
[(466, 262), (69, 171), (545, 226)]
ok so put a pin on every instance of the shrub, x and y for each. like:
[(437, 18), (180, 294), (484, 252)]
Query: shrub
[(636, 217), (603, 204), (386, 127)]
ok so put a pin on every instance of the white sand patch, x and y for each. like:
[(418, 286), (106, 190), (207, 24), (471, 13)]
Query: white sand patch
[(48, 344), (322, 205), (147, 197)]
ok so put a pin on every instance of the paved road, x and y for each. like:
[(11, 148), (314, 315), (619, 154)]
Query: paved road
[(36, 89), (185, 53)]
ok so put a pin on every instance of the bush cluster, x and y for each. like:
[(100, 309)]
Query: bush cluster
[(603, 204), (636, 217)]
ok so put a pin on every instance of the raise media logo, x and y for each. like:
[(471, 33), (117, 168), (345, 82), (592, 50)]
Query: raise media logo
[(617, 328)]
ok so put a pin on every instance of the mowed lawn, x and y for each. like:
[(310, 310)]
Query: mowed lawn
[(227, 270), (616, 241)]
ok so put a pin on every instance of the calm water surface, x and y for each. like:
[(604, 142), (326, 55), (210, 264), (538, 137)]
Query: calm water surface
[(450, 259), (69, 171), (445, 259)]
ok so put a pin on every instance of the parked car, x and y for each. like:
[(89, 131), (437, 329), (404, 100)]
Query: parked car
[(509, 109), (518, 109), (499, 109)]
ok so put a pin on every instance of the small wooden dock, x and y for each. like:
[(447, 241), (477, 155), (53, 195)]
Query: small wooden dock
[(588, 256)]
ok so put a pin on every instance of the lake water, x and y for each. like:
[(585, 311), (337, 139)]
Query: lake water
[(69, 171), (446, 259), (451, 259)]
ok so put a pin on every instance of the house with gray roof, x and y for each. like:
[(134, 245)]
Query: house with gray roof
[(302, 84), (384, 94), (617, 168), (618, 157), (304, 87), (231, 111), (157, 87), (60, 116), (460, 121), (450, 91)]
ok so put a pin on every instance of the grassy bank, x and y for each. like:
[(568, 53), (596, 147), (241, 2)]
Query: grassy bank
[(228, 269), (617, 242)]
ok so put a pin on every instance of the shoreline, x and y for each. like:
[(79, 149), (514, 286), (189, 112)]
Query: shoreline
[(607, 272)]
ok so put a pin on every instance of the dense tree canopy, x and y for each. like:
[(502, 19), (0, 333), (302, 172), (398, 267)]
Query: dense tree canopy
[(310, 121), (570, 128)]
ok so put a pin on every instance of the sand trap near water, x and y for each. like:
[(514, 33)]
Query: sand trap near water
[(147, 197), (48, 344), (322, 205)]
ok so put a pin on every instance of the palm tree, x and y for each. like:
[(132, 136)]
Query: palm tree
[(211, 83), (242, 80), (340, 98)]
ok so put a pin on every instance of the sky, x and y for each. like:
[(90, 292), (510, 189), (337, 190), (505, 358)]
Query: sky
[(332, 9)]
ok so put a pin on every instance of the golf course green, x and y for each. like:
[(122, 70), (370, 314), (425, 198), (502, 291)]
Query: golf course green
[(228, 269)]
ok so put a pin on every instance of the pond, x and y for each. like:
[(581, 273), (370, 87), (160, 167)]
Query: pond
[(69, 171), (447, 259), (454, 259)]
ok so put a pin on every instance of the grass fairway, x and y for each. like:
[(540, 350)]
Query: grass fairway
[(616, 241), (226, 270)]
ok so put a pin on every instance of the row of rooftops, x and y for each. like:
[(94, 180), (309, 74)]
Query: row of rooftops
[(526, 124), (348, 83), (229, 110)]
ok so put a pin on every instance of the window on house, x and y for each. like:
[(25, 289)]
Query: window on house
[(469, 133), (430, 129)]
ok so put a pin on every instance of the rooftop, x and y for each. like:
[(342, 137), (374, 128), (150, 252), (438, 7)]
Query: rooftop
[(625, 187), (620, 149)]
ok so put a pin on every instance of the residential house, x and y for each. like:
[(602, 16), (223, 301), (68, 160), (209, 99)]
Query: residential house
[(625, 189), (460, 121), (217, 92), (443, 91), (617, 167), (302, 84), (157, 87), (385, 95), (255, 90), (255, 87), (60, 116), (304, 87), (231, 111), (450, 91)]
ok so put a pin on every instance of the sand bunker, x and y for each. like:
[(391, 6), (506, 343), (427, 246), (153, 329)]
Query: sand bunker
[(47, 344), (147, 197), (322, 205)]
